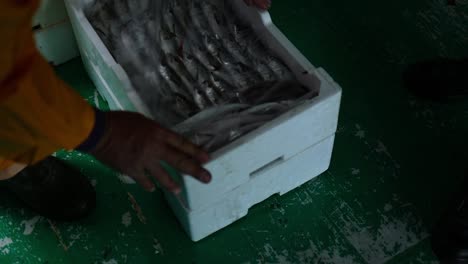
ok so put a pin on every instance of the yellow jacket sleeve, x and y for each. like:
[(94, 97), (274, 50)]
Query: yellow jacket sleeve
[(39, 113)]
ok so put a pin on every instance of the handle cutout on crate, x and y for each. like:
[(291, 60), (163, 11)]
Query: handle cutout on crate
[(37, 27), (267, 166)]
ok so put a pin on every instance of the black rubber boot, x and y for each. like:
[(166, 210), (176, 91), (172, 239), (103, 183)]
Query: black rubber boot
[(450, 235), (54, 190), (438, 79)]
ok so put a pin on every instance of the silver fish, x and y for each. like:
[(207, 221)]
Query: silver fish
[(180, 73), (93, 13), (209, 62), (205, 82), (242, 77), (100, 17), (207, 116), (155, 99), (171, 22), (92, 8), (179, 8), (152, 30), (200, 99), (142, 44), (235, 50), (191, 64), (184, 106), (172, 80), (257, 51), (153, 78), (279, 68), (211, 93), (229, 123), (121, 53), (197, 17), (121, 10), (133, 38), (215, 20), (179, 69), (203, 94), (198, 139), (216, 141), (168, 42), (235, 134), (233, 22), (157, 94), (265, 72), (170, 91), (224, 88), (250, 74), (212, 45), (244, 36), (267, 108), (190, 59), (168, 39), (231, 71), (162, 109), (136, 8)]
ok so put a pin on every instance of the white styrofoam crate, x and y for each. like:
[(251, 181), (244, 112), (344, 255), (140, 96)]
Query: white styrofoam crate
[(57, 43), (53, 32), (49, 13), (109, 77), (241, 162), (278, 179)]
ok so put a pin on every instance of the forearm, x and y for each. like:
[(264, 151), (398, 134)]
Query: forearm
[(42, 115), (39, 113)]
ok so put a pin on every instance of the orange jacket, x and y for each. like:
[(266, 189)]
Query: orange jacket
[(39, 113)]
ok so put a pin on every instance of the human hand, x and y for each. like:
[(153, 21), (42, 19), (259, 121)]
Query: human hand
[(262, 4), (135, 145)]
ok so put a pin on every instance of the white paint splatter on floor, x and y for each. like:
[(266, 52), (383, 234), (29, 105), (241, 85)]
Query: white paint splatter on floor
[(383, 156), (126, 179), (312, 254), (333, 255), (378, 244), (355, 171), (96, 99), (157, 247), (94, 182), (75, 233), (29, 225), (434, 21), (136, 207), (280, 210), (388, 207), (360, 133), (280, 257), (4, 242), (58, 234), (381, 148), (111, 261), (127, 219), (423, 258)]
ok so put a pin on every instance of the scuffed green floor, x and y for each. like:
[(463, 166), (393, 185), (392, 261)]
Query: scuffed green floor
[(396, 160)]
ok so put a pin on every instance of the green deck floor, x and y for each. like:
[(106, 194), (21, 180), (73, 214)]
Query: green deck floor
[(396, 159)]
